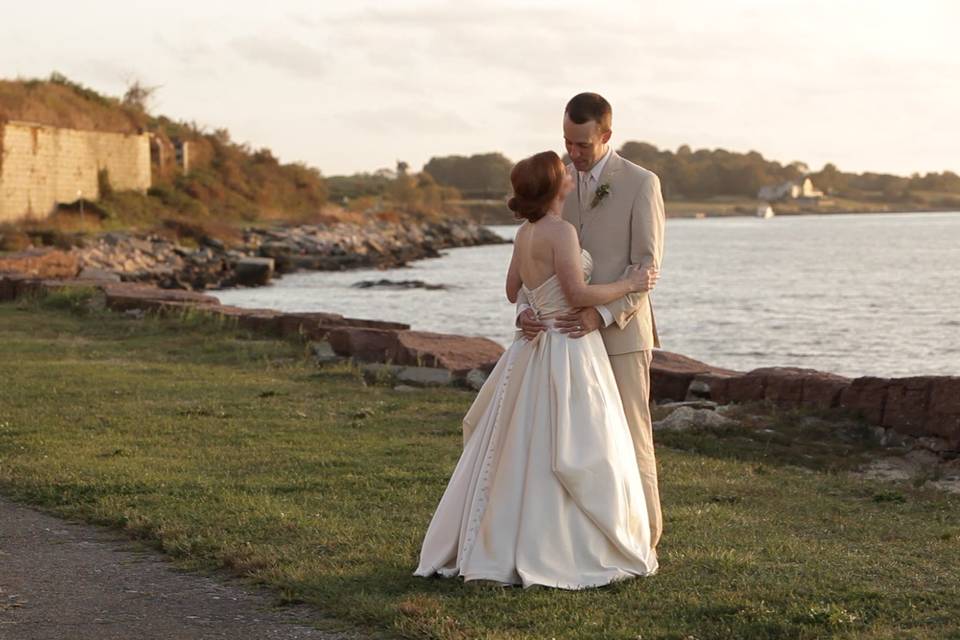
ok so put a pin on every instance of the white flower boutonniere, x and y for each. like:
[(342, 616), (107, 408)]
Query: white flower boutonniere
[(602, 192)]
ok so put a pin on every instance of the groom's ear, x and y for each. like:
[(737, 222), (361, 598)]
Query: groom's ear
[(605, 136)]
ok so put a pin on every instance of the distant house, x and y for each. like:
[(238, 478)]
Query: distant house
[(789, 190)]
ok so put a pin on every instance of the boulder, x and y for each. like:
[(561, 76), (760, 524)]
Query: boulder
[(323, 352), (671, 374), (93, 273), (254, 272), (475, 379), (943, 412), (747, 388), (686, 418), (824, 390), (41, 263), (905, 408), (424, 376), (782, 385), (866, 396), (365, 345), (454, 353), (124, 296)]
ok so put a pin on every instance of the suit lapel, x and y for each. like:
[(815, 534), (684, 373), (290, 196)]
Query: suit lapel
[(607, 177)]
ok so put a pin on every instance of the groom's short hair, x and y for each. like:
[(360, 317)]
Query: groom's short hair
[(585, 107)]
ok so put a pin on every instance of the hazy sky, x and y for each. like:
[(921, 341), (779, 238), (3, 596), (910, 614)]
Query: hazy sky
[(353, 86)]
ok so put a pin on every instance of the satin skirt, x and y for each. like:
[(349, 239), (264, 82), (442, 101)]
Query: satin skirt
[(547, 489)]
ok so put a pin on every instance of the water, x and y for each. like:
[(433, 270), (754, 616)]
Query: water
[(852, 294)]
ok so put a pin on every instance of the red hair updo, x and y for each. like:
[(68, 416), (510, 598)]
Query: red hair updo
[(536, 182)]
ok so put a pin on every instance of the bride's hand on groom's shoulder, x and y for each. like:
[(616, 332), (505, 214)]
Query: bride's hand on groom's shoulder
[(642, 277)]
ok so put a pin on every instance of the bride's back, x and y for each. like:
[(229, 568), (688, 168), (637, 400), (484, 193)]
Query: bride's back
[(536, 243)]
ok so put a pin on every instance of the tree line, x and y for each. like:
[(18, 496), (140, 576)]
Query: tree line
[(684, 174)]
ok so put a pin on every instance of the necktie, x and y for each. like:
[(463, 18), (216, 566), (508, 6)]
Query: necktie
[(586, 195)]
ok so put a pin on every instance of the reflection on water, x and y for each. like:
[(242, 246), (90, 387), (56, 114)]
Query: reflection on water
[(852, 294)]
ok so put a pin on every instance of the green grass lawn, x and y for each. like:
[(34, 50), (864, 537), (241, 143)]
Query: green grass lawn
[(226, 450)]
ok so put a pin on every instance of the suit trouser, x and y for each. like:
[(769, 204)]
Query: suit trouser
[(632, 372)]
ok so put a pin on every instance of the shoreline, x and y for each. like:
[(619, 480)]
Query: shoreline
[(263, 253), (493, 212), (925, 409)]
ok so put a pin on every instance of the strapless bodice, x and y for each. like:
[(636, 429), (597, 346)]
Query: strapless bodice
[(548, 299)]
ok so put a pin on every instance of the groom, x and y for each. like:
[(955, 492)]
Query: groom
[(617, 209)]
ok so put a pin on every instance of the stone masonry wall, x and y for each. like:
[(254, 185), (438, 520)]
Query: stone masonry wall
[(42, 165)]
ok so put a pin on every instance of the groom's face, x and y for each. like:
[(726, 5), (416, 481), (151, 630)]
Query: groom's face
[(586, 143)]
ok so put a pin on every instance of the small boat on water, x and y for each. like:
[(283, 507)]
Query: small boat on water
[(765, 211)]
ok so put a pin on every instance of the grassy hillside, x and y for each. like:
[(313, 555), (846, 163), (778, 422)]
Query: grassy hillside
[(228, 184)]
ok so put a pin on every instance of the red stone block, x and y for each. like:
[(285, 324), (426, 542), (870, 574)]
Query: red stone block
[(365, 345), (906, 406), (782, 385), (746, 388), (824, 390), (123, 296), (454, 353), (672, 373), (943, 411), (866, 396), (314, 326), (262, 321)]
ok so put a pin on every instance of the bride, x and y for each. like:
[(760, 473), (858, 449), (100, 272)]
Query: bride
[(547, 490)]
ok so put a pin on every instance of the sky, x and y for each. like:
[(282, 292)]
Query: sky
[(356, 86)]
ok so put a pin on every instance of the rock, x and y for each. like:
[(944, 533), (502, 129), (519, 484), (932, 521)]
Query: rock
[(405, 388), (943, 412), (397, 284), (41, 263), (893, 439), (672, 373), (936, 445), (254, 271), (424, 376), (748, 388), (878, 434), (365, 345), (905, 407), (323, 352), (122, 296), (92, 273), (824, 390), (454, 353), (699, 388), (694, 404), (475, 379), (794, 386), (379, 371), (686, 418), (866, 396)]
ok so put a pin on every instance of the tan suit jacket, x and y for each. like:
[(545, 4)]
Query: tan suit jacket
[(624, 229)]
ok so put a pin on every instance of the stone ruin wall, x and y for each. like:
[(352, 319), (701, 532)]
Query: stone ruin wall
[(41, 166)]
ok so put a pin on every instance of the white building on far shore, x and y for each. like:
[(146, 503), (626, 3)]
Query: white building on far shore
[(789, 190)]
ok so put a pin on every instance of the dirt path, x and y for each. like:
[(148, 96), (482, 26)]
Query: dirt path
[(63, 580)]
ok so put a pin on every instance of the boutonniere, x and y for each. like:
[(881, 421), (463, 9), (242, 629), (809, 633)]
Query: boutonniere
[(602, 192)]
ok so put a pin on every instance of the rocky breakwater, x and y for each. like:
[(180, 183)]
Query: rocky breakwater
[(349, 246), (156, 260), (922, 411)]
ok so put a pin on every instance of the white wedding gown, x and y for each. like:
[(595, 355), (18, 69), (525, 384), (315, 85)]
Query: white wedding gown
[(547, 489)]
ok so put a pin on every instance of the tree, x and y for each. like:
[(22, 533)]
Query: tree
[(139, 95)]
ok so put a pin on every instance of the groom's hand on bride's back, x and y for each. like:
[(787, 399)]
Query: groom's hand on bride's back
[(529, 324), (580, 322)]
